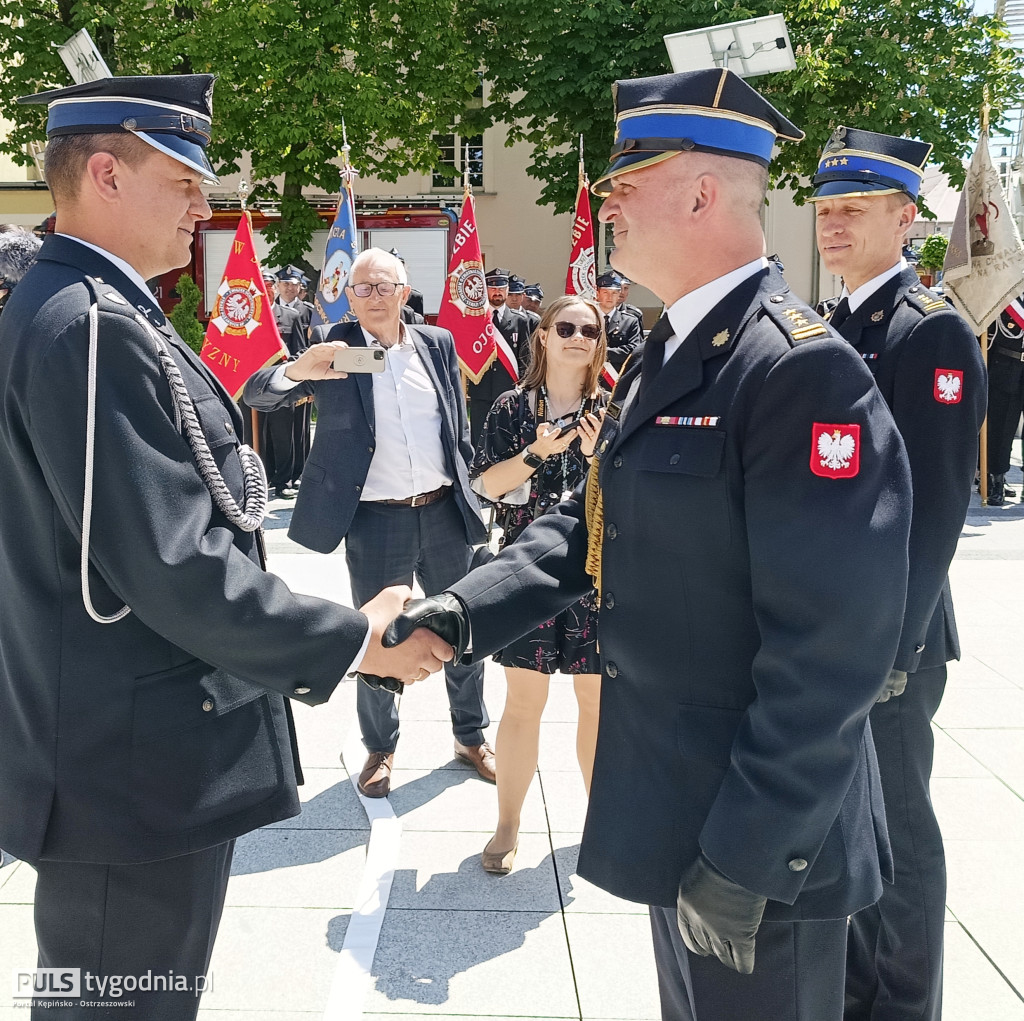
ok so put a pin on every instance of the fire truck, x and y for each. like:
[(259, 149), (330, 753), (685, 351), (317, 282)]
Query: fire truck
[(423, 235)]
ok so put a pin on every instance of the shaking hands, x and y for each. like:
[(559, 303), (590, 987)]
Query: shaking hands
[(411, 639)]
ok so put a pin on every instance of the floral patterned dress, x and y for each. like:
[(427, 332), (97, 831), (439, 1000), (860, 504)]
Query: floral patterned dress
[(568, 642)]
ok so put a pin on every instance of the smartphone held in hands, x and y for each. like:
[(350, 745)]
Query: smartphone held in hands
[(360, 359)]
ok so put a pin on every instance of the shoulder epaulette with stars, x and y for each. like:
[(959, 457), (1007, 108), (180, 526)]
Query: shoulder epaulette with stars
[(794, 318), (924, 301)]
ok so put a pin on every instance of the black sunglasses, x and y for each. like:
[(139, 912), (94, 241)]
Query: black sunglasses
[(566, 330)]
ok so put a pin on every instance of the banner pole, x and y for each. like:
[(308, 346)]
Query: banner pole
[(983, 438)]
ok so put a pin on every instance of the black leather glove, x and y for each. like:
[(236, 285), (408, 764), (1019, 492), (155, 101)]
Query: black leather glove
[(895, 684), (392, 684), (716, 916), (443, 614)]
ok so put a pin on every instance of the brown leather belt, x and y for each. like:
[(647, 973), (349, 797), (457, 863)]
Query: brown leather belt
[(1017, 356), (420, 500)]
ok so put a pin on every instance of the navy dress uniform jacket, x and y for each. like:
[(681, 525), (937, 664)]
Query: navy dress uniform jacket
[(750, 612), (515, 328), (343, 443), (625, 333), (167, 731), (929, 369)]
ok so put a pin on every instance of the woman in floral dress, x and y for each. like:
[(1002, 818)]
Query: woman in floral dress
[(527, 464)]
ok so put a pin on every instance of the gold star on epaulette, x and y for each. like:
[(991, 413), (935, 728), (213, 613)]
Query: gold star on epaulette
[(844, 161), (720, 339)]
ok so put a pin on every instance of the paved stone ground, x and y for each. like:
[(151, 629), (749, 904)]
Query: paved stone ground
[(542, 943)]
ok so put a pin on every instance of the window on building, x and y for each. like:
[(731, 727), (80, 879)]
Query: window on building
[(455, 152)]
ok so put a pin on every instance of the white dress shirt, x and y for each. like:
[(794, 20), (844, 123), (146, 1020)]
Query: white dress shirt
[(859, 296), (408, 457), (691, 308), (129, 271)]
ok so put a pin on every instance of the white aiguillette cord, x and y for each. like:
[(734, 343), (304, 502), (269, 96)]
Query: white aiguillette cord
[(254, 478)]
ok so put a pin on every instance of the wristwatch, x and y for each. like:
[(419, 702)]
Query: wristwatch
[(532, 459)]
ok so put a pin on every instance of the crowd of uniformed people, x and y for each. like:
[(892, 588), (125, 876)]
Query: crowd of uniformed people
[(739, 550)]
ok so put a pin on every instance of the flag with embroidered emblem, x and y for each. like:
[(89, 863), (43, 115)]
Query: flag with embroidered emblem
[(242, 335), (984, 265), (465, 311), (331, 302), (582, 275)]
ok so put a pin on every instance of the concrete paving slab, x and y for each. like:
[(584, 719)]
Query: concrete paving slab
[(19, 884), (449, 963), (972, 672), (367, 1015), (284, 868), (977, 809), (17, 947), (322, 729), (581, 897), (952, 759), (558, 747), (565, 798), (615, 974), (985, 879), (981, 707), (329, 801), (448, 799), (275, 959), (973, 990), (1000, 751), (438, 871)]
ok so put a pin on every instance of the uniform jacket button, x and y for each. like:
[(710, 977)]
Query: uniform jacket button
[(609, 600), (611, 530), (674, 459), (301, 690), (228, 427), (617, 461), (919, 648), (208, 705), (798, 865), (611, 669)]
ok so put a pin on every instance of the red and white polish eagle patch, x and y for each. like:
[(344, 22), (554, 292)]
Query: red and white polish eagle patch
[(949, 386), (835, 450)]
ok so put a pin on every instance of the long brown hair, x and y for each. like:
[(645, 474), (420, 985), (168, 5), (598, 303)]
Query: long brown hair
[(538, 369)]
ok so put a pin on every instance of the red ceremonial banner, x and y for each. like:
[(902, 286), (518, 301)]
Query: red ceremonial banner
[(242, 336), (582, 277), (464, 307)]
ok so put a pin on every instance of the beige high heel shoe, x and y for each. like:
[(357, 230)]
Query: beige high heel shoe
[(499, 863)]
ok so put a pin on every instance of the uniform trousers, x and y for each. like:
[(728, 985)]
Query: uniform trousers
[(894, 962), (156, 918), (389, 545), (798, 974), (1005, 403)]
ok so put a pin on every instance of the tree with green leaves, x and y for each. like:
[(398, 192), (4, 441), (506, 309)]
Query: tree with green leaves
[(914, 67), (290, 72)]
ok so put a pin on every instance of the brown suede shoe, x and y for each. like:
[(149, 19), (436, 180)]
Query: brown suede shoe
[(375, 779), (480, 757)]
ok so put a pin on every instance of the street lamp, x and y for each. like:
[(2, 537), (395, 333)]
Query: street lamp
[(747, 48)]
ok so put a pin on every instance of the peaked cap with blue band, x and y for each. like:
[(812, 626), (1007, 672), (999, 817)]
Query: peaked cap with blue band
[(857, 163), (711, 110), (171, 112)]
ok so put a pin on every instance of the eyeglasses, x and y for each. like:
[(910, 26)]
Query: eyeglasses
[(566, 330), (385, 288)]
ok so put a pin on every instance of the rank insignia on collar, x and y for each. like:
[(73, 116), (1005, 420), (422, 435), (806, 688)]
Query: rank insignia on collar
[(949, 386), (877, 317), (835, 450), (720, 339)]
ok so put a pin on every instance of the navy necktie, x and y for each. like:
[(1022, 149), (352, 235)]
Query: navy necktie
[(840, 314)]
